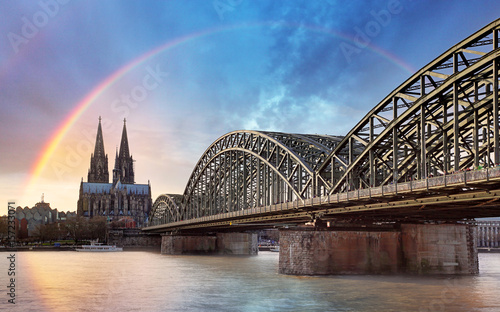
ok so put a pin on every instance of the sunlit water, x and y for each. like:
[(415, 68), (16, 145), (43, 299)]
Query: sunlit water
[(145, 281)]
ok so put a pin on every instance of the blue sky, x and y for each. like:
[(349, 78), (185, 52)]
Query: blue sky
[(289, 66)]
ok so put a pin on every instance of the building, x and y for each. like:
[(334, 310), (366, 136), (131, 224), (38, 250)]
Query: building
[(120, 200), (488, 233), (28, 219)]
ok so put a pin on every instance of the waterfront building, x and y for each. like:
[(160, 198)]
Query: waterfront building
[(28, 219), (488, 234), (121, 199)]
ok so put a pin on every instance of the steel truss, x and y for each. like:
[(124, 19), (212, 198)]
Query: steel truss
[(166, 209), (248, 169), (443, 119)]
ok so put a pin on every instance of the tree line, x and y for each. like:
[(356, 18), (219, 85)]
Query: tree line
[(74, 228)]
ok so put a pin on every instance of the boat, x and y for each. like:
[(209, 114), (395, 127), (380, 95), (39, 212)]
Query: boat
[(275, 249), (99, 247)]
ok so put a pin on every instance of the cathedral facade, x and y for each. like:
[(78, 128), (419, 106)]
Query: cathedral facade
[(122, 199)]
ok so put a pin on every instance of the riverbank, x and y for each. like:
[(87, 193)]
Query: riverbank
[(69, 248), (267, 248), (488, 250), (138, 248), (38, 248)]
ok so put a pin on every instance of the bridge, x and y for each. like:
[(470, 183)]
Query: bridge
[(429, 152)]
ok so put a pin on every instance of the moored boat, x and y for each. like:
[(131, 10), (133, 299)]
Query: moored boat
[(99, 247)]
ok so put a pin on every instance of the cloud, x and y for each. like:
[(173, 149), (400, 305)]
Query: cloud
[(268, 65)]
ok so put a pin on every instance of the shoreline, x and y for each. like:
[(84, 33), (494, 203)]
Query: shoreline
[(71, 248), (152, 248), (488, 250)]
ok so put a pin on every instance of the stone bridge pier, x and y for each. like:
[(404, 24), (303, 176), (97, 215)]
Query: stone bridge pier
[(218, 243), (407, 248)]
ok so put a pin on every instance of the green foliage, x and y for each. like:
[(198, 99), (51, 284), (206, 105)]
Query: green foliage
[(80, 228), (75, 229), (49, 232), (3, 227)]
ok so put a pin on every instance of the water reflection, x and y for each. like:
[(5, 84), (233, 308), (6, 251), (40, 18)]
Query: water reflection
[(143, 281)]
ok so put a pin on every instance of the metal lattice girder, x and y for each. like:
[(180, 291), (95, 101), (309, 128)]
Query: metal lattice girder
[(444, 118), (166, 209), (245, 169)]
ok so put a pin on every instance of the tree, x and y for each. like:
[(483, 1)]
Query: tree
[(80, 228), (97, 228), (76, 227), (3, 228), (53, 231), (40, 232)]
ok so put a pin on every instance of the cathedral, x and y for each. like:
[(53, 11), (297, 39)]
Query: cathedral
[(120, 200)]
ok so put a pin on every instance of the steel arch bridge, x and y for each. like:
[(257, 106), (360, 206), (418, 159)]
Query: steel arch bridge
[(442, 120), (166, 208), (248, 169)]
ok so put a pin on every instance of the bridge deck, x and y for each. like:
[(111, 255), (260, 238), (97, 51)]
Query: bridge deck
[(463, 195)]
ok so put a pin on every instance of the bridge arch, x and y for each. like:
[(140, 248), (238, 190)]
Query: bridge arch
[(247, 169), (166, 209), (442, 119)]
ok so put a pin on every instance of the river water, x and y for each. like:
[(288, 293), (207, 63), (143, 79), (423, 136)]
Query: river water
[(147, 281)]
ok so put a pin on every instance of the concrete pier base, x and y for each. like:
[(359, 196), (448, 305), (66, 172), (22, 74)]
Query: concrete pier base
[(237, 243), (173, 244), (440, 249), (133, 239), (411, 248), (220, 243)]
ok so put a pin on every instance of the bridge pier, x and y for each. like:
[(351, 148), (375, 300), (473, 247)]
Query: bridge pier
[(219, 243), (408, 248)]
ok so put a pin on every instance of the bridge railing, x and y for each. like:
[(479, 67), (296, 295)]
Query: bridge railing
[(461, 178), (455, 180), (448, 180)]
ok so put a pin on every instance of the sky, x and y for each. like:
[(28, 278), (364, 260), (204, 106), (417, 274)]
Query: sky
[(184, 73)]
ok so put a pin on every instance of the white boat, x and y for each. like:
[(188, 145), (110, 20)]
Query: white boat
[(99, 247)]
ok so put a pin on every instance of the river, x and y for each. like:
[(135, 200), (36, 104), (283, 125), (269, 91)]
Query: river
[(148, 281)]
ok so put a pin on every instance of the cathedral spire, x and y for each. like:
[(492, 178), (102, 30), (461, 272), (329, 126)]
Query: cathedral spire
[(124, 164), (116, 158), (124, 151), (98, 171), (99, 142)]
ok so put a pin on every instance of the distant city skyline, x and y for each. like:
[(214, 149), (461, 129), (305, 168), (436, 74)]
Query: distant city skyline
[(185, 73)]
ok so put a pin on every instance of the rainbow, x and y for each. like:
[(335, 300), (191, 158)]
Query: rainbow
[(51, 145), (53, 142)]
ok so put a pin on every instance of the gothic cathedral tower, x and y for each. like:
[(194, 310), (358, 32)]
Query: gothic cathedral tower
[(120, 200), (98, 172), (124, 164)]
